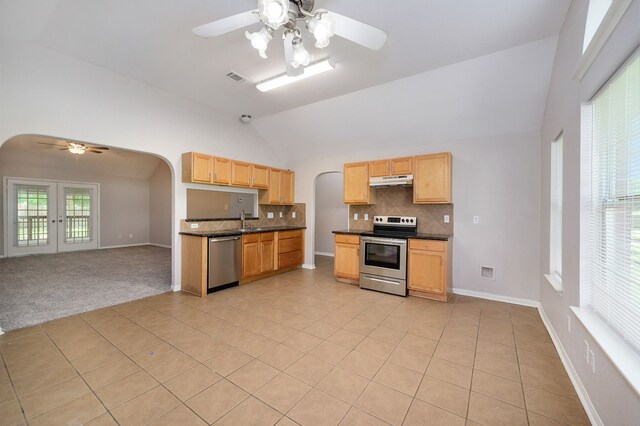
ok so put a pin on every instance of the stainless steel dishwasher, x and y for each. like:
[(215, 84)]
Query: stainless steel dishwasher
[(225, 262)]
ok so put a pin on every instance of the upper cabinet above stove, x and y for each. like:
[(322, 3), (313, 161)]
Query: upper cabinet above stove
[(391, 167), (431, 178)]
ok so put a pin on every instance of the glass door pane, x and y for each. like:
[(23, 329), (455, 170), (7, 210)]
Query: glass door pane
[(77, 217), (31, 217)]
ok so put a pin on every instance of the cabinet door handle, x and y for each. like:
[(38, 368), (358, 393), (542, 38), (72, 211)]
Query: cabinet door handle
[(209, 175), (393, 168)]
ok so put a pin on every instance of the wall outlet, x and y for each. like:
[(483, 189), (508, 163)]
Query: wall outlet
[(366, 216), (130, 235), (281, 214), (293, 215), (446, 218), (355, 216), (269, 215), (476, 219), (194, 226)]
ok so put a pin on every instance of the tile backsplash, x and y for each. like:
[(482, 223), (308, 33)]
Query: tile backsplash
[(397, 201), (261, 222)]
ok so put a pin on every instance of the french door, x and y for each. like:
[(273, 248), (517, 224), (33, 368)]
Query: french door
[(48, 217)]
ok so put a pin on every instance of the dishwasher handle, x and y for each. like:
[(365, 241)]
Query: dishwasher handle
[(215, 240)]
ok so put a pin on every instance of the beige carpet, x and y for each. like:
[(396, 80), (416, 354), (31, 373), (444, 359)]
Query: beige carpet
[(40, 288)]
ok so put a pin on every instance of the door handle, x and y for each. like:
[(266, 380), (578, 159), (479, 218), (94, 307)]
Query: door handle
[(59, 220), (53, 221)]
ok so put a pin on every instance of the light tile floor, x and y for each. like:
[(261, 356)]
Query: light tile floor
[(298, 348)]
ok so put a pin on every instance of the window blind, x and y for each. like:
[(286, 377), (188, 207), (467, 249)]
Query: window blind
[(555, 237), (613, 223)]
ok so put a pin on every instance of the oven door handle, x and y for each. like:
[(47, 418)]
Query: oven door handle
[(369, 277), (383, 240)]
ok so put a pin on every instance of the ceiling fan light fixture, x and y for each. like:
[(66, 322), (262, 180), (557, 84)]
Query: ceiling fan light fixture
[(300, 55), (322, 28), (309, 71), (77, 148), (274, 13), (260, 40)]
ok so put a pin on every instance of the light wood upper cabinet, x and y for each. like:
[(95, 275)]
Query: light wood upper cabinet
[(429, 269), (379, 168), (401, 166), (356, 184), (391, 167), (197, 168), (432, 179), (346, 263), (240, 173), (286, 187), (259, 176), (281, 187), (221, 171)]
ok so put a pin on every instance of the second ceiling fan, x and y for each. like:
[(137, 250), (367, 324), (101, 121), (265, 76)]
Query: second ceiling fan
[(287, 14)]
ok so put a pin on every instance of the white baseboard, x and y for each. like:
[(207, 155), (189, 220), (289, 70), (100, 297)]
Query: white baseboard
[(124, 245), (308, 266), (496, 297), (594, 418), (160, 245), (322, 253)]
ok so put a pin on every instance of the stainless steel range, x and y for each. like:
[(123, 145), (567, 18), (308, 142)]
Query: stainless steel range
[(383, 254)]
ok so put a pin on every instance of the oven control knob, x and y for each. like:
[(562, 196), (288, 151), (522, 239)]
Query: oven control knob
[(403, 220), (411, 220)]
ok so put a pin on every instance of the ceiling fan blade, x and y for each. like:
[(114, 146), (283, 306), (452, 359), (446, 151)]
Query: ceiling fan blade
[(95, 151), (224, 25), (358, 32), (288, 56), (102, 148), (49, 143), (63, 149)]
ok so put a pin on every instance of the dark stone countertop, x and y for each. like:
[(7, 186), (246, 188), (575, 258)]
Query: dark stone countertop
[(439, 237), (234, 232)]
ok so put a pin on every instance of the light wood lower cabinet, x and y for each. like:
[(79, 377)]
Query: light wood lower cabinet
[(290, 249), (346, 264), (257, 254), (429, 269)]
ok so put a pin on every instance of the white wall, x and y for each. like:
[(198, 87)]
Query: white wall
[(47, 93), (160, 184), (615, 401), (496, 178), (331, 213)]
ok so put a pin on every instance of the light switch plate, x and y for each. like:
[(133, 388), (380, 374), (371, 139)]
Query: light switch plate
[(355, 216), (293, 215), (446, 218), (476, 219), (269, 215), (366, 216), (281, 214), (194, 226)]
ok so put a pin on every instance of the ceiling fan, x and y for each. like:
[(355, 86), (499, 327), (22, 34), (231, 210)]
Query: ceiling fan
[(78, 148), (287, 14)]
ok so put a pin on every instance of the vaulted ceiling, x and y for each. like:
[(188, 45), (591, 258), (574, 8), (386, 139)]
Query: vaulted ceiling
[(449, 70)]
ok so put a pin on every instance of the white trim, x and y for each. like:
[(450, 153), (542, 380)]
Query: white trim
[(160, 245), (588, 406), (496, 297), (1, 332), (323, 253), (555, 282), (609, 22), (124, 245), (308, 266), (624, 358)]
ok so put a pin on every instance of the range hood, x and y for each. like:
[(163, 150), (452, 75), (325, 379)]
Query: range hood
[(386, 181)]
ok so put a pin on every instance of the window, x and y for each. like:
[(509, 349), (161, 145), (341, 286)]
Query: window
[(611, 203), (555, 215)]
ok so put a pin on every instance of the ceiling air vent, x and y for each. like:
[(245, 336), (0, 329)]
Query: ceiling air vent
[(235, 77), (487, 272)]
